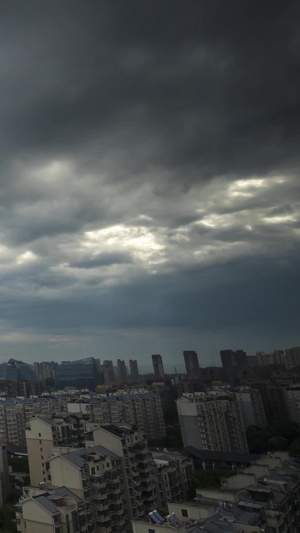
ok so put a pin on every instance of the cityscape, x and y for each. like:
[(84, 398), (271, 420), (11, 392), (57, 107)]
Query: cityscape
[(149, 266), (107, 449)]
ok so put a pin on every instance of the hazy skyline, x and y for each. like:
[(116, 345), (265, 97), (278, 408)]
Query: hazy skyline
[(149, 178)]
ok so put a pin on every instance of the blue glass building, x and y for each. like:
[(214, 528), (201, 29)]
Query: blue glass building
[(82, 374)]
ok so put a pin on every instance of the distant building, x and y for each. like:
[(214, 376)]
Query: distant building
[(122, 370), (290, 357), (234, 363), (133, 367), (108, 372), (83, 373), (17, 371), (191, 363), (158, 366)]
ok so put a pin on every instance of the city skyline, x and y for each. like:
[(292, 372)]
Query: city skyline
[(149, 195)]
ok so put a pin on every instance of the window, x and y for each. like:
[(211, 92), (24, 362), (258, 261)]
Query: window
[(39, 436), (41, 449), (151, 531), (184, 512)]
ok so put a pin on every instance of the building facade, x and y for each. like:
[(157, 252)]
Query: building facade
[(191, 363), (211, 421), (158, 366)]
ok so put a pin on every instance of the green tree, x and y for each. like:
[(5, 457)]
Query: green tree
[(207, 479), (7, 518)]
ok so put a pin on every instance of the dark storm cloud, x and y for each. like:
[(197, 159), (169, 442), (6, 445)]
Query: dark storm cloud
[(210, 87), (149, 166)]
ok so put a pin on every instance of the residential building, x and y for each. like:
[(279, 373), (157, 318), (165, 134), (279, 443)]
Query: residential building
[(211, 421), (273, 397), (158, 366), (122, 373), (134, 371), (234, 364), (53, 511), (131, 447), (251, 407), (43, 433), (191, 363), (137, 407), (172, 472), (108, 372), (292, 397), (94, 474)]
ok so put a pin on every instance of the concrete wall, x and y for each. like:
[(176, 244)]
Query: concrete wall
[(146, 527), (219, 495), (65, 473), (194, 512), (239, 481), (108, 440)]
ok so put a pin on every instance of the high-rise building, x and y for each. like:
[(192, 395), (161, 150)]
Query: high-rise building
[(251, 407), (122, 370), (211, 421), (83, 373), (93, 474), (234, 363), (133, 367), (191, 363), (158, 366), (131, 447), (172, 472), (108, 372)]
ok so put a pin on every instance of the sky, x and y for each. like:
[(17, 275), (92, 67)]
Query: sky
[(149, 178)]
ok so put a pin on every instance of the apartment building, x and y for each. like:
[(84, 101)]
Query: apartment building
[(131, 447), (290, 357), (43, 433), (136, 407), (292, 397), (158, 366), (15, 413), (211, 421), (94, 474), (172, 472), (251, 407), (53, 511)]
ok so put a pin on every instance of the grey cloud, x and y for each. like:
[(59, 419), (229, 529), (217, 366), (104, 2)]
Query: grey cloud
[(104, 259), (142, 116)]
